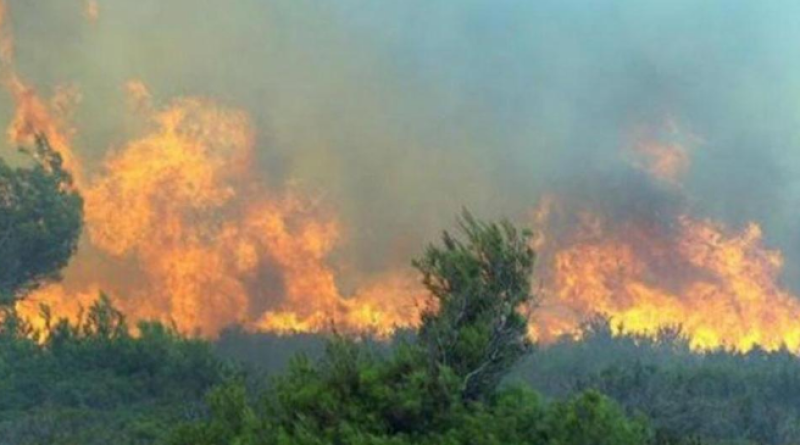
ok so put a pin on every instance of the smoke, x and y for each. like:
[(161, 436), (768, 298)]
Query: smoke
[(397, 114)]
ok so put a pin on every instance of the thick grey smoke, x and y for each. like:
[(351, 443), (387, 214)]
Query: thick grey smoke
[(400, 112)]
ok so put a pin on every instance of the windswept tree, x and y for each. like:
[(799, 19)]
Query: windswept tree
[(41, 217), (439, 387), (481, 286)]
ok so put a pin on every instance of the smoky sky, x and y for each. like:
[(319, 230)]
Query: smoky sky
[(398, 113)]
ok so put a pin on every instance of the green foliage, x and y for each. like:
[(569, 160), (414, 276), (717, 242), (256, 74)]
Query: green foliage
[(40, 222), (92, 382), (591, 418), (232, 420), (479, 286), (354, 401), (689, 397), (353, 386)]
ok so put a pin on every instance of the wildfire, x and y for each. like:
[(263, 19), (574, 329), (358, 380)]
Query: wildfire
[(33, 114), (182, 227), (183, 211), (719, 286)]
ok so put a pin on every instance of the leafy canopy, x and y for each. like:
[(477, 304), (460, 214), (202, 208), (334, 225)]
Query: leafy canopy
[(41, 217)]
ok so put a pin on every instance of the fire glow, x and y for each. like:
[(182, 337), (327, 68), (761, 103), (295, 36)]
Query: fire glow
[(720, 287), (181, 227), (182, 210)]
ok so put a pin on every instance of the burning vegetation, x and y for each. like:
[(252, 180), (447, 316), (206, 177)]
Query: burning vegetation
[(720, 287), (181, 226), (204, 244), (639, 258)]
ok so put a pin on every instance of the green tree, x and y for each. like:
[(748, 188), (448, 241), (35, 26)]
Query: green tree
[(480, 285), (41, 217), (440, 388)]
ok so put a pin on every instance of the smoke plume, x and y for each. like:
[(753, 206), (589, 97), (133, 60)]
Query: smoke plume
[(258, 144)]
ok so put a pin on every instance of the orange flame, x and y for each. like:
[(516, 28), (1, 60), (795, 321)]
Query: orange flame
[(720, 287), (181, 227), (34, 115), (182, 210)]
